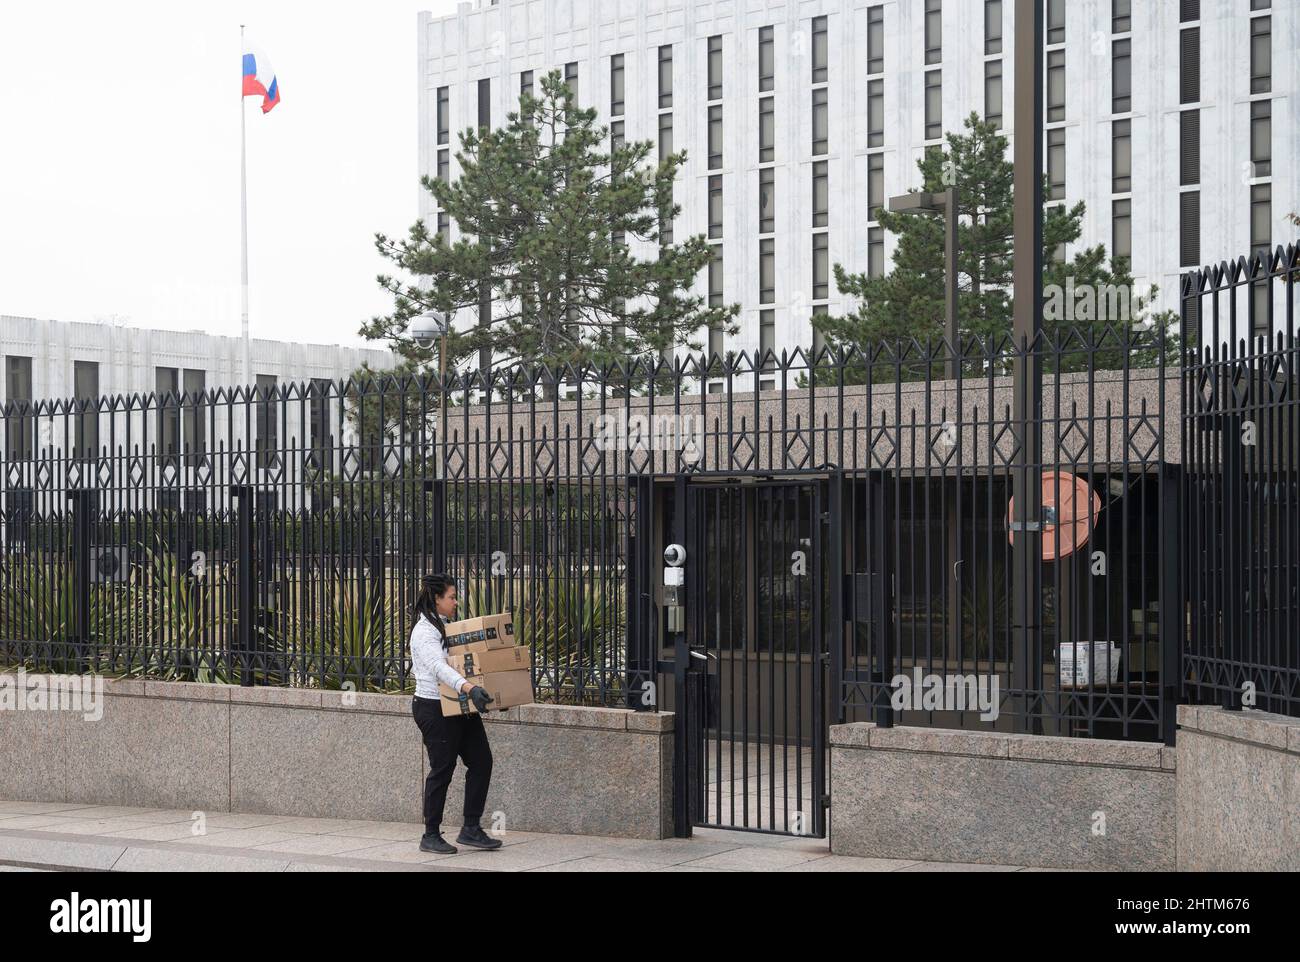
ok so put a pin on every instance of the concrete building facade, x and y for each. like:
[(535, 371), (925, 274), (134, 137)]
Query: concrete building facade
[(1176, 122)]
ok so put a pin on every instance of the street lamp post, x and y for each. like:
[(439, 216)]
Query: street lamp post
[(429, 328), (944, 202), (1028, 372)]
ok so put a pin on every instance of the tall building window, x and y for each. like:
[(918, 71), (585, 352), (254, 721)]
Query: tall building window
[(1261, 138), (876, 113), (766, 59), (993, 92), (484, 104), (1121, 16), (195, 384), (767, 345), (1261, 240), (167, 388), (1189, 10), (767, 200), (268, 426), (1055, 86), (766, 129), (525, 84), (992, 26), (616, 84), (933, 105), (571, 78), (1121, 76), (1189, 228), (876, 252), (715, 300), (715, 68), (821, 267), (1189, 66), (20, 431), (933, 31), (1261, 55), (1056, 164), (665, 151), (1261, 217), (715, 206), (876, 40), (1121, 156), (1055, 21), (875, 186), (820, 52), (767, 271), (1189, 139), (821, 194), (444, 166), (820, 121), (1122, 224), (715, 137), (665, 76), (444, 115), (85, 383)]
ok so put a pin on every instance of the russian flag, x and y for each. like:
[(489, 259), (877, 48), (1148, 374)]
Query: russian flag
[(259, 78)]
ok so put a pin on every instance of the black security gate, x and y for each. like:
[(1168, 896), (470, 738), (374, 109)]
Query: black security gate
[(762, 557)]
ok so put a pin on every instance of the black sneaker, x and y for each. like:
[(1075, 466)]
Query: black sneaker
[(475, 837), (436, 844)]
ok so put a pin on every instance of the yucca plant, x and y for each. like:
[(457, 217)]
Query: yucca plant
[(352, 636), (178, 642)]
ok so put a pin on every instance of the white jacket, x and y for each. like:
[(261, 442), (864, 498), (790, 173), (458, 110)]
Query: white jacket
[(429, 661)]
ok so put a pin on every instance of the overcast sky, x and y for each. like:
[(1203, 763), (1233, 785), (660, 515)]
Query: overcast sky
[(119, 161)]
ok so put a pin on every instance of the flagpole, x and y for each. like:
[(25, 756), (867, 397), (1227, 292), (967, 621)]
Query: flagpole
[(243, 223)]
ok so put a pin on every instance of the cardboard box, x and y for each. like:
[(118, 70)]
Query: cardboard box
[(507, 688), (489, 631), (478, 659)]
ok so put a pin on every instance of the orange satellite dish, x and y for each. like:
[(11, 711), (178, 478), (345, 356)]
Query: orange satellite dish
[(1070, 510)]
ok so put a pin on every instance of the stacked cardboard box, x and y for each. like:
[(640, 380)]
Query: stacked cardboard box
[(484, 651)]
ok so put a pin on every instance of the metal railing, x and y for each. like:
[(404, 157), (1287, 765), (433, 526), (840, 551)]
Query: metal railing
[(278, 536), (1242, 442)]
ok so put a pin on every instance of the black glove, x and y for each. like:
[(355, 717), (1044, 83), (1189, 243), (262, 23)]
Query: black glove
[(480, 698)]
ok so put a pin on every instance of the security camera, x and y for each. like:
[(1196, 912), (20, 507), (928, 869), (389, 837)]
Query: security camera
[(674, 556), (427, 328)]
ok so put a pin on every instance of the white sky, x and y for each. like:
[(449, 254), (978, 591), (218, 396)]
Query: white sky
[(119, 161)]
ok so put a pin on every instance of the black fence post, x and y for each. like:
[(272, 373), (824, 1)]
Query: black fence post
[(82, 547), (245, 581), (1173, 607)]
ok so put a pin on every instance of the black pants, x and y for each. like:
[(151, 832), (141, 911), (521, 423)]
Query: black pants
[(445, 738)]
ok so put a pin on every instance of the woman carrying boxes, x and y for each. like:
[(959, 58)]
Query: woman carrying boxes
[(447, 735)]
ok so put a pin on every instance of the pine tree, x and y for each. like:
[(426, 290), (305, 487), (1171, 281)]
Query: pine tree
[(908, 302), (549, 210)]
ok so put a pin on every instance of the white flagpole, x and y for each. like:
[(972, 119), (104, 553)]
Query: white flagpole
[(243, 217)]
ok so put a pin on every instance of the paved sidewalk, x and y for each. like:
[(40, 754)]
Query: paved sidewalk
[(105, 838)]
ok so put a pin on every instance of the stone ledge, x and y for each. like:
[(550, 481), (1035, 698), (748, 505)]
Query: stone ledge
[(182, 690), (567, 716), (1277, 732), (1013, 746)]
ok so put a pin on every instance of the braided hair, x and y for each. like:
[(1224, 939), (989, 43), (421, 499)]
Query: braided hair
[(433, 587)]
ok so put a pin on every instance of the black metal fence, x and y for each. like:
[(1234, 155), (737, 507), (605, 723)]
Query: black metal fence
[(1242, 443), (277, 536)]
